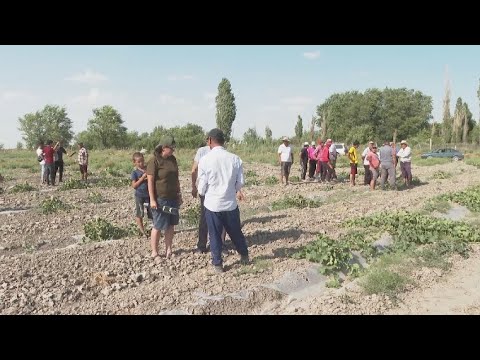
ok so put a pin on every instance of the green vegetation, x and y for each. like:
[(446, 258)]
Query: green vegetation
[(95, 198), (469, 198), (192, 215), (52, 205), (71, 184), (20, 188), (295, 201), (100, 229), (271, 180), (442, 175)]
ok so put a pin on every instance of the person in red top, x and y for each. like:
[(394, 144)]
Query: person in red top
[(49, 152), (324, 173)]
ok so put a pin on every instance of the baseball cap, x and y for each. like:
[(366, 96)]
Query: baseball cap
[(329, 140), (313, 143), (305, 143), (285, 138), (371, 142), (168, 141)]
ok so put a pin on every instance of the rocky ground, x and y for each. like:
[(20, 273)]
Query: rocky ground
[(46, 269)]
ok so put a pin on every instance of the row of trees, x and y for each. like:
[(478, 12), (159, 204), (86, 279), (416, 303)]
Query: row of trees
[(374, 114), (106, 128), (459, 128)]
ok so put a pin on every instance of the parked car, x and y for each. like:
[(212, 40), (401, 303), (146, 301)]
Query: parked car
[(341, 149), (453, 154)]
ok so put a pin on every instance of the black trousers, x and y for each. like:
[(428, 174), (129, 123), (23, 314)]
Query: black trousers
[(59, 168), (312, 168)]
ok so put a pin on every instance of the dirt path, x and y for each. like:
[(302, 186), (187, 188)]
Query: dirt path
[(457, 293)]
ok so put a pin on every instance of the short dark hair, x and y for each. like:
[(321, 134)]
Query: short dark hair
[(356, 142), (218, 135), (49, 142), (137, 155)]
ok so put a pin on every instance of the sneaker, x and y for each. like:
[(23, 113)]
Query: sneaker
[(244, 260), (219, 269)]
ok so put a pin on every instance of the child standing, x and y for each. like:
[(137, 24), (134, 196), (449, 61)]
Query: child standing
[(139, 183)]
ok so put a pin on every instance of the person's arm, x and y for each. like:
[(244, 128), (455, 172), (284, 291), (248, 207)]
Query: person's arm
[(136, 183), (291, 153), (194, 178), (151, 168), (350, 156), (279, 156), (201, 179), (240, 181), (179, 189)]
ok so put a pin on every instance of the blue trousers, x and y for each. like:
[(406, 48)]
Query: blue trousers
[(230, 220)]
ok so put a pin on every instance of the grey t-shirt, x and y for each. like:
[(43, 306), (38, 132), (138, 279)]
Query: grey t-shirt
[(386, 153)]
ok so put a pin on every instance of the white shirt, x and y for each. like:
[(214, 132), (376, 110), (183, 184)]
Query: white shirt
[(220, 176), (285, 153), (39, 153), (405, 155), (201, 152), (364, 155)]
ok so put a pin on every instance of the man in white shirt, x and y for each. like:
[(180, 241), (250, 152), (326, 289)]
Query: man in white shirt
[(405, 157), (285, 159), (202, 224), (220, 177), (366, 164), (41, 161)]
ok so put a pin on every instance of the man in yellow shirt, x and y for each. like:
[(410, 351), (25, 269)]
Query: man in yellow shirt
[(353, 157)]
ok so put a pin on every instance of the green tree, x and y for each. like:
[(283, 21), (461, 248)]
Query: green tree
[(19, 145), (226, 109), (106, 127), (374, 114), (251, 137), (190, 136), (447, 123), (299, 128), (52, 122), (268, 134)]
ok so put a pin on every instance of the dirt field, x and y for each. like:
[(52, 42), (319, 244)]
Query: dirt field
[(45, 268)]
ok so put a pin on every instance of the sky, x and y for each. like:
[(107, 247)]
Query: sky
[(174, 85)]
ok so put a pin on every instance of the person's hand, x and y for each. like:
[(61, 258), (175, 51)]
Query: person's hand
[(194, 192), (144, 176), (153, 204), (240, 196)]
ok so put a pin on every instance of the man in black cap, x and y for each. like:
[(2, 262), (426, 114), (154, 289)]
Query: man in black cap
[(220, 177)]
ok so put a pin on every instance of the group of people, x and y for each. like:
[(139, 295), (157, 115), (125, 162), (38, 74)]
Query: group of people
[(217, 178), (321, 159), (382, 162), (51, 161)]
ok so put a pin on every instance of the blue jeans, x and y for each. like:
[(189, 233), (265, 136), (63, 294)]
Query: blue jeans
[(230, 220)]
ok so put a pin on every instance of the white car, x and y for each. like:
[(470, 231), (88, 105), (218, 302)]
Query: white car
[(341, 149)]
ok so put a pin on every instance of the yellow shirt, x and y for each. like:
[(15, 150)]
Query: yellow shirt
[(353, 155)]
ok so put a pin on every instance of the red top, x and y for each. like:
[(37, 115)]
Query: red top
[(48, 151), (324, 153)]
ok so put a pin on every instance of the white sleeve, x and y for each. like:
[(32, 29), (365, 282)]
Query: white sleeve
[(240, 179), (202, 184)]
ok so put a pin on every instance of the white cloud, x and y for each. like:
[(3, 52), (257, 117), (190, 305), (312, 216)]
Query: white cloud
[(296, 108), (88, 77), (94, 97), (297, 100), (10, 95), (179, 77), (271, 108), (311, 55), (167, 99)]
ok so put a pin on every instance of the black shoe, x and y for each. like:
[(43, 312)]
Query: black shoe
[(201, 251), (219, 269), (244, 260)]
